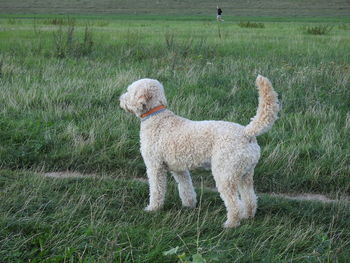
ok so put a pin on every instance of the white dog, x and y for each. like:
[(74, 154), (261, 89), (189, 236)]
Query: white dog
[(172, 143)]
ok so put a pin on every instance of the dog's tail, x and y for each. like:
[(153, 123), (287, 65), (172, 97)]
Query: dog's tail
[(267, 111)]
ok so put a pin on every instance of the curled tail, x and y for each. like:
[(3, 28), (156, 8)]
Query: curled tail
[(268, 108)]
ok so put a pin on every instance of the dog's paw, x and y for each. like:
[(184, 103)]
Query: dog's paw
[(192, 205), (151, 208), (189, 203), (244, 214), (231, 224)]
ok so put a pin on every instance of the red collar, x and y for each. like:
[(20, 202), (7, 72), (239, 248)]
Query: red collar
[(153, 111)]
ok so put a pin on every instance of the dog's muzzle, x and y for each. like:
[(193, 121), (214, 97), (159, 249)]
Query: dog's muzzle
[(122, 103)]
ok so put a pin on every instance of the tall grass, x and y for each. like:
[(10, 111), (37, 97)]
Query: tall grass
[(318, 30), (65, 41), (251, 24)]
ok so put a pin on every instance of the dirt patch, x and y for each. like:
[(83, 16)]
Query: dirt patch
[(310, 197), (300, 197), (68, 174)]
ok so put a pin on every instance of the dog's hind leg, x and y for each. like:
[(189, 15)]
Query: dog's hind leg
[(186, 190), (157, 187), (227, 186), (229, 194), (248, 197)]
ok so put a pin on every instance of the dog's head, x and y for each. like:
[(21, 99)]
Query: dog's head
[(142, 96)]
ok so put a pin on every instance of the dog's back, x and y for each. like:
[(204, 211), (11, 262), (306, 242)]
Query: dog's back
[(185, 144)]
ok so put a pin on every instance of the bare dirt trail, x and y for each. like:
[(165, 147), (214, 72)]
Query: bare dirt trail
[(300, 197)]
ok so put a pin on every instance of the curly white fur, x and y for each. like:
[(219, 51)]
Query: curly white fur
[(172, 143)]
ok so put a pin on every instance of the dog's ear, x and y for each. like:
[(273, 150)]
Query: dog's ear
[(145, 97), (142, 102)]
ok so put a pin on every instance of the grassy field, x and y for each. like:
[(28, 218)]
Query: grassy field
[(60, 80)]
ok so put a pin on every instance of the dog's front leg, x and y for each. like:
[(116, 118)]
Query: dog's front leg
[(186, 190), (157, 187)]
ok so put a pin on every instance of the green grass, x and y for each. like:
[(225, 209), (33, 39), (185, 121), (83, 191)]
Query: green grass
[(101, 220), (251, 25), (62, 113)]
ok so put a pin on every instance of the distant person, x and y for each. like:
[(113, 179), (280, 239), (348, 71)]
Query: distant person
[(219, 12)]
